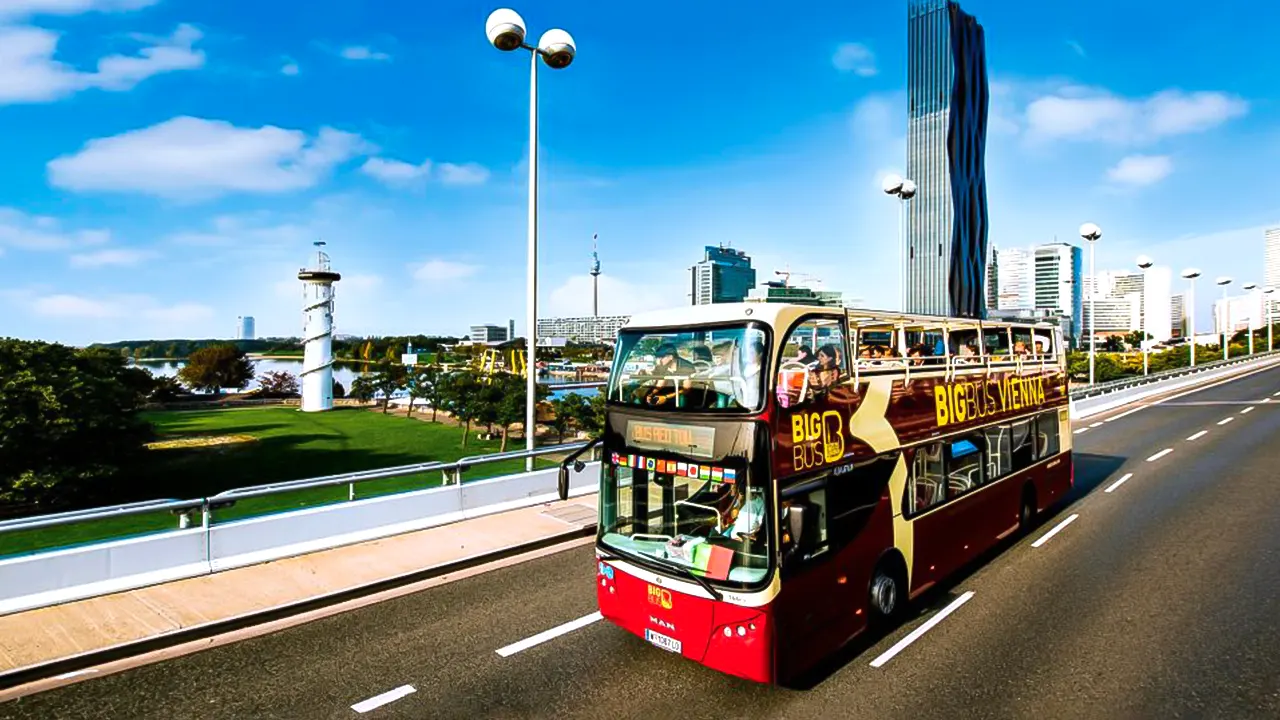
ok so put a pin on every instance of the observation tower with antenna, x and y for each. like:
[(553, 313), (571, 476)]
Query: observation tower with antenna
[(317, 332)]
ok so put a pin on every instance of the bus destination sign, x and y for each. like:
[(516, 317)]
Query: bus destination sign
[(687, 439)]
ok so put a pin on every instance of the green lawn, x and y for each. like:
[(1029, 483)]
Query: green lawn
[(279, 444)]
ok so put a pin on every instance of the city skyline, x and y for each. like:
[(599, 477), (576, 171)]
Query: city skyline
[(305, 137)]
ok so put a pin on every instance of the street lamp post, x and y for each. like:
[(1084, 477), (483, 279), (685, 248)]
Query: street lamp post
[(1144, 264), (1226, 316), (1267, 305), (506, 31), (1091, 234), (904, 190), (1191, 274), (1252, 288)]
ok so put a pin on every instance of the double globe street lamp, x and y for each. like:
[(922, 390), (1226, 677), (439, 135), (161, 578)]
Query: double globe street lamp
[(904, 190), (1223, 282), (1144, 264), (506, 31), (1091, 233), (1191, 274)]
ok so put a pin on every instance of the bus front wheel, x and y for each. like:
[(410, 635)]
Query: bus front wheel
[(1027, 514)]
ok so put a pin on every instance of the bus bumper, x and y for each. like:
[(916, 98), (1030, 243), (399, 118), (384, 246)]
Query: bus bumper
[(730, 638)]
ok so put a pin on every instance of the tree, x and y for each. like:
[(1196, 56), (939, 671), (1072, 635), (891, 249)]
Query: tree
[(216, 367), (165, 389), (433, 388), (418, 382), (568, 410), (278, 383), (591, 416), (338, 390), (388, 378), (1111, 344), (462, 392), (69, 425), (362, 388)]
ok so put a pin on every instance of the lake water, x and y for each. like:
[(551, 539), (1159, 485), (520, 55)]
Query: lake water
[(344, 374)]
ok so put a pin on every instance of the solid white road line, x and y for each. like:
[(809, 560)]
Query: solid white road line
[(378, 701), (74, 673), (1247, 410), (1056, 529), (551, 634), (1199, 435), (1224, 421), (902, 644), (1127, 412), (1160, 454), (1119, 482)]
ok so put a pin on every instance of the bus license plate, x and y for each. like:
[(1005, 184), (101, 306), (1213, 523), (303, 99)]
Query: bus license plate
[(662, 641)]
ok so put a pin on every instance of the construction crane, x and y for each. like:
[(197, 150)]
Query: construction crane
[(787, 275)]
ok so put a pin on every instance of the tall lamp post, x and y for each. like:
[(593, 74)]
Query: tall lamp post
[(1252, 288), (505, 30), (1144, 264), (904, 190), (1191, 274), (1091, 234), (1266, 303), (1224, 281)]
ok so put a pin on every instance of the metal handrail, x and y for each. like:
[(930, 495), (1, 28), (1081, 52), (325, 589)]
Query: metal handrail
[(77, 516), (1128, 382), (229, 496)]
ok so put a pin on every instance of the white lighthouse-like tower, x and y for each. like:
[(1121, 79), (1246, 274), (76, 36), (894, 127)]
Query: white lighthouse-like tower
[(317, 333)]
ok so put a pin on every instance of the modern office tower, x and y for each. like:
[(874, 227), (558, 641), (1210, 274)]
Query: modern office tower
[(946, 142)]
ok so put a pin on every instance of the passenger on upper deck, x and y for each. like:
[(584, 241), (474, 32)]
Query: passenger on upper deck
[(747, 393), (826, 371)]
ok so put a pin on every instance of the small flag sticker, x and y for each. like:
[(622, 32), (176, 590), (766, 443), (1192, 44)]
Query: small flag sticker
[(650, 464), (704, 472), (693, 471), (682, 469), (730, 475), (717, 474)]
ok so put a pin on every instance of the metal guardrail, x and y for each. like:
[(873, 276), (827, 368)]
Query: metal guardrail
[(1130, 382), (453, 475)]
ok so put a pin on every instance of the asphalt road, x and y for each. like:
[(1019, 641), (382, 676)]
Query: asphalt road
[(1160, 599)]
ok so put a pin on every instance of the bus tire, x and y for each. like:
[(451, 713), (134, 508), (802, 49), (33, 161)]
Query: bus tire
[(1027, 511), (888, 592)]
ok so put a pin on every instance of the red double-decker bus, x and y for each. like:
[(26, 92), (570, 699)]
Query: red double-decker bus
[(778, 477)]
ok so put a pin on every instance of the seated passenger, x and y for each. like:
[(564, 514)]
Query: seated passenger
[(805, 356), (748, 515), (826, 371)]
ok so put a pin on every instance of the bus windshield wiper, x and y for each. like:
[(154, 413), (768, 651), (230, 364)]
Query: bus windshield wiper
[(698, 579)]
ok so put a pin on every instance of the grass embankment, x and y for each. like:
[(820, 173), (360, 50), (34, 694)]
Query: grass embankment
[(204, 452)]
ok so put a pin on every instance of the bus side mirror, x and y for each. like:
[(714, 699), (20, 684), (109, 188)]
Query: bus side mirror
[(562, 482)]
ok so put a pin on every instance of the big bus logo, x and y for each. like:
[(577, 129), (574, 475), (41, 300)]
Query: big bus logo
[(818, 439), (660, 597), (964, 401)]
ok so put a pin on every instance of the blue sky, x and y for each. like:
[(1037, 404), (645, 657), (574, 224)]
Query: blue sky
[(167, 163)]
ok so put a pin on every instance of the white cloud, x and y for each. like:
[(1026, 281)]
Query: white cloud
[(395, 172), (437, 270), (1082, 113), (572, 298), (1137, 170), (74, 306), (27, 8), (123, 257), (197, 158), (156, 316), (28, 232), (363, 52), (467, 174), (30, 74), (855, 58), (290, 68)]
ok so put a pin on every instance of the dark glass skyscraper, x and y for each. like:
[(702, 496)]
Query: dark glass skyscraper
[(946, 143), (725, 275)]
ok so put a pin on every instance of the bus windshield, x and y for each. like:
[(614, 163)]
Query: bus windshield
[(710, 369), (709, 520)]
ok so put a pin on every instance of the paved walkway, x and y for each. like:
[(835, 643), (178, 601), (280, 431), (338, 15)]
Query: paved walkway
[(51, 633)]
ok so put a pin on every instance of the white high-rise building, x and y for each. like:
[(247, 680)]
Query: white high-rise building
[(1016, 286), (245, 328), (1150, 293), (1271, 258), (1178, 314), (1238, 312)]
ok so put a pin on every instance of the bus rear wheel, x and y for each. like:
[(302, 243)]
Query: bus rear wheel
[(888, 593), (1027, 514)]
